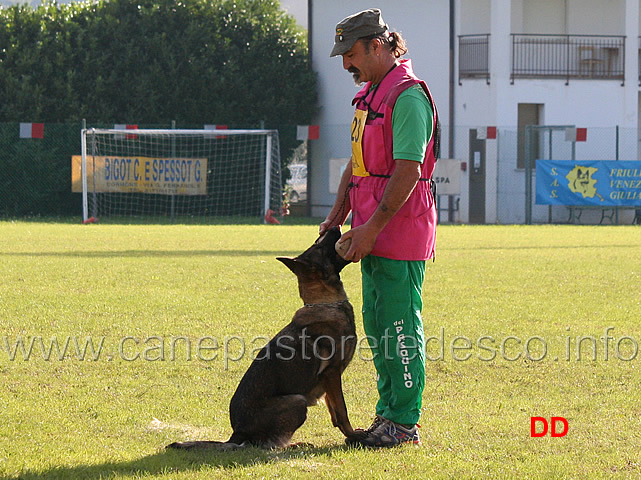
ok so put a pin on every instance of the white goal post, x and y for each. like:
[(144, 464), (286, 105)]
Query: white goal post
[(179, 175)]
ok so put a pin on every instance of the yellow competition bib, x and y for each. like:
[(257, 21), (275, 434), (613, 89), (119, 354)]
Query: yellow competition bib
[(358, 127)]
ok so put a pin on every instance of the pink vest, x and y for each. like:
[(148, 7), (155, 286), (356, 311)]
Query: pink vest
[(411, 233)]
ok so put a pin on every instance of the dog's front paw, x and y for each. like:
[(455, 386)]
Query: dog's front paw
[(356, 436)]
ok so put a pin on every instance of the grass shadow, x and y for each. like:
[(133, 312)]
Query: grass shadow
[(274, 253), (174, 461), (156, 253)]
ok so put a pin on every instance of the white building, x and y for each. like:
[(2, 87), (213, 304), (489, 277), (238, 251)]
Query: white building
[(553, 64)]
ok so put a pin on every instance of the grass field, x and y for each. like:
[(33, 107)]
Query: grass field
[(522, 321)]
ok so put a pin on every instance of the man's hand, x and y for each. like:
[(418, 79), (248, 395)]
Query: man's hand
[(323, 227), (363, 239)]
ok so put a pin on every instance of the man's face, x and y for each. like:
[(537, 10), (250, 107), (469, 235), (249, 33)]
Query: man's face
[(360, 62)]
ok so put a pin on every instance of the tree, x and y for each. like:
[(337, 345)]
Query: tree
[(237, 62)]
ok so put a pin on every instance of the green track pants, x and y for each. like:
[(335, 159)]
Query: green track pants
[(392, 306)]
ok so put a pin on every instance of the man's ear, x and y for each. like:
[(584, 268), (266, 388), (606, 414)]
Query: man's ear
[(377, 45)]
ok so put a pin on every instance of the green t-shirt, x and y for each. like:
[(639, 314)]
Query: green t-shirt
[(412, 124)]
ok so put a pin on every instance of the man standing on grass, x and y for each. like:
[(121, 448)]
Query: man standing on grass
[(388, 188)]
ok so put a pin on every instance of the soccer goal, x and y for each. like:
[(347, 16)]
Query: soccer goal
[(179, 175)]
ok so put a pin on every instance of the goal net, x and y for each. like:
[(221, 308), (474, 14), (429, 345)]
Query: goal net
[(179, 175)]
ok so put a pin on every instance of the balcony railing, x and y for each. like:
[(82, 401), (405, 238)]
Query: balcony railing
[(597, 57), (474, 57), (600, 57)]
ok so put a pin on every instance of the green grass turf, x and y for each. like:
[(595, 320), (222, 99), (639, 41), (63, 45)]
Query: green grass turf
[(512, 313)]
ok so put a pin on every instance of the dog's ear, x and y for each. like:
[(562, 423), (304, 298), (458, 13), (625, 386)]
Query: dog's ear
[(289, 262), (294, 264)]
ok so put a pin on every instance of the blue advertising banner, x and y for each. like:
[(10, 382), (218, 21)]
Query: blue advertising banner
[(600, 183)]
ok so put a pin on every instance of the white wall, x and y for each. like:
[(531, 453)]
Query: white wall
[(584, 103), (544, 16), (589, 103), (474, 17), (589, 17), (296, 8), (596, 17)]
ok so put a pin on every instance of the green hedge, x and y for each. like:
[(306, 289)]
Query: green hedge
[(154, 61)]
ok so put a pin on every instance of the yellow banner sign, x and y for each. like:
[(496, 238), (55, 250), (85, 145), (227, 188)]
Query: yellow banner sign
[(159, 176)]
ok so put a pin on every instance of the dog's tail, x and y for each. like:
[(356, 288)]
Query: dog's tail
[(204, 445)]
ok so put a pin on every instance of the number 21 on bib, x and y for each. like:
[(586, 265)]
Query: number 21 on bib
[(358, 127)]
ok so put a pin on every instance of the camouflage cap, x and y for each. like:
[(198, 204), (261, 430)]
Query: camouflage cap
[(361, 24)]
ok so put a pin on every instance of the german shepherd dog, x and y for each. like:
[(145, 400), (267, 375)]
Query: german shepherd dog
[(303, 362)]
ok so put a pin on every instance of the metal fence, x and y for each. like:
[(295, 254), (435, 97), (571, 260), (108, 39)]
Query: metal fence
[(496, 189), (35, 169), (568, 56), (474, 57), (35, 174), (598, 57)]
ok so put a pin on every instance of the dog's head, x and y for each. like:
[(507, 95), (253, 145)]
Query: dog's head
[(320, 261)]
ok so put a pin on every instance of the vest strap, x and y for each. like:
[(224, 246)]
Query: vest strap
[(432, 182), (389, 176)]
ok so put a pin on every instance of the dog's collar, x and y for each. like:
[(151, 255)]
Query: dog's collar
[(331, 304)]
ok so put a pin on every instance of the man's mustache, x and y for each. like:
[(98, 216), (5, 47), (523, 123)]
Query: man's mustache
[(356, 75)]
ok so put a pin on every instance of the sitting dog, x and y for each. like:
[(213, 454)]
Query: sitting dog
[(303, 362)]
